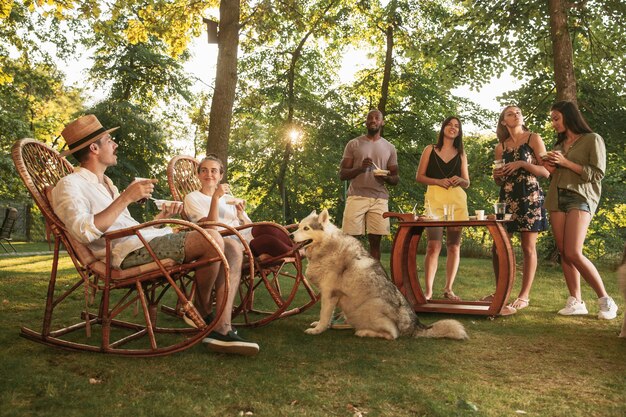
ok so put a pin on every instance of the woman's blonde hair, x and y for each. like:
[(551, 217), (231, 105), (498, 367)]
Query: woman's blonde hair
[(502, 133)]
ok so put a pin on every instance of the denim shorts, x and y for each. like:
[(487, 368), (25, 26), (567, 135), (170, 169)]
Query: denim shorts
[(170, 246), (570, 200)]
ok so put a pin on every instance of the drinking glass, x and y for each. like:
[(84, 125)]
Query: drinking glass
[(500, 209)]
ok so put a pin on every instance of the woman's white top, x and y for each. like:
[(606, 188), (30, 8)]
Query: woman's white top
[(198, 204)]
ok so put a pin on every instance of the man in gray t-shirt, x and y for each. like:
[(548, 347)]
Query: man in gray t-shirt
[(369, 162)]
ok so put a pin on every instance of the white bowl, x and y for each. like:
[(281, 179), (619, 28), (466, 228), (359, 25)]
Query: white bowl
[(159, 203)]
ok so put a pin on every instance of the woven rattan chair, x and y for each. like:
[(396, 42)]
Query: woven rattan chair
[(278, 282), (125, 315)]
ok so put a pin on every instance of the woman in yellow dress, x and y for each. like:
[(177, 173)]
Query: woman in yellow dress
[(443, 168)]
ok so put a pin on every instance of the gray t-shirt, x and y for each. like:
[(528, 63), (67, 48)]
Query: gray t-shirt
[(384, 156)]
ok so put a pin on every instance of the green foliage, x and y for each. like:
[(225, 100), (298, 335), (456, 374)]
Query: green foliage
[(34, 102), (291, 53)]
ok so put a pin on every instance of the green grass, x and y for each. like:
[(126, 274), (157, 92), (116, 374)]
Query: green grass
[(535, 361), (26, 248)]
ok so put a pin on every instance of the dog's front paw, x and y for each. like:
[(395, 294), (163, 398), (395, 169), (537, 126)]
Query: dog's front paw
[(314, 330), (314, 324)]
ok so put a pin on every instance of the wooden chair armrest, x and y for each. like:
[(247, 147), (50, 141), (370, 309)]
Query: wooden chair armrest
[(128, 231)]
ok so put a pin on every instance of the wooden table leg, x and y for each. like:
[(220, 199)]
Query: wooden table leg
[(506, 268), (405, 276)]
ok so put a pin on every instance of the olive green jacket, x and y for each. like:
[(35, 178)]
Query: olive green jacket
[(589, 152)]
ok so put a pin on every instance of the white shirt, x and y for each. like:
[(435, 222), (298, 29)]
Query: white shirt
[(78, 197), (198, 204)]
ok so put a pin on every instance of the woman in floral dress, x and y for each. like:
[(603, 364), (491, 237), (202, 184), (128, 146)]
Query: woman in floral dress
[(520, 190)]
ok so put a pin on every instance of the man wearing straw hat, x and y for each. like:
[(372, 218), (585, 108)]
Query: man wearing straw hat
[(90, 205)]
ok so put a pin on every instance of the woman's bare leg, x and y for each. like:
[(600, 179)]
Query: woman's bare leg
[(572, 277), (529, 249), (433, 249), (576, 225), (453, 245)]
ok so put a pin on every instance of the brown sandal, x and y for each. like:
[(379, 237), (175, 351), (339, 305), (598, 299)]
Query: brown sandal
[(507, 311), (449, 295)]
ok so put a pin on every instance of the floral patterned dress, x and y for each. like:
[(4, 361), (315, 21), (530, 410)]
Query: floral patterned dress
[(522, 193)]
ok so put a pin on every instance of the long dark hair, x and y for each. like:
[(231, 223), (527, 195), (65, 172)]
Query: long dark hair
[(458, 141), (573, 119), (502, 133)]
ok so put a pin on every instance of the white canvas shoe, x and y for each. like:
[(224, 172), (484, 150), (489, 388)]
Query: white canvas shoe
[(608, 308), (573, 307)]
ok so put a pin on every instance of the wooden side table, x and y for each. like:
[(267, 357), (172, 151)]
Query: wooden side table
[(404, 265)]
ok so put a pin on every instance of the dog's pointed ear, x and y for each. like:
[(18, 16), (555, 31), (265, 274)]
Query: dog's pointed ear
[(324, 217), (313, 213)]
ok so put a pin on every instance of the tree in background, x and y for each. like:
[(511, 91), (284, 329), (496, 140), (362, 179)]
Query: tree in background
[(286, 76), (34, 102), (223, 99)]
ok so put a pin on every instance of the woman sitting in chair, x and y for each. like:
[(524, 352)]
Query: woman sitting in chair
[(213, 202)]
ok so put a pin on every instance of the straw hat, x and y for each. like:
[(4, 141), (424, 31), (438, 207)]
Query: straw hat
[(82, 132)]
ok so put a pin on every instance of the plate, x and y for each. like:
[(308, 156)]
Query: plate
[(380, 172), (233, 200)]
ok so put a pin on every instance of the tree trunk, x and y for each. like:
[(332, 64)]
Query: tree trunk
[(384, 90), (225, 81), (563, 56)]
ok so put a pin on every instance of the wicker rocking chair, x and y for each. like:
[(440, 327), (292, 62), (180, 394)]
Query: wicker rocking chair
[(125, 316), (267, 294)]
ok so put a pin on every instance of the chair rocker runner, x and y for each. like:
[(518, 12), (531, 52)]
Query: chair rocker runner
[(128, 300), (267, 294)]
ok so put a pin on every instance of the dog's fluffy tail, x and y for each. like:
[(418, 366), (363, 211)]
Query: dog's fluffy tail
[(450, 329)]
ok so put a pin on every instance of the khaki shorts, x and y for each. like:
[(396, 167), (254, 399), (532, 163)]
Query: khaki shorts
[(170, 246), (365, 214)]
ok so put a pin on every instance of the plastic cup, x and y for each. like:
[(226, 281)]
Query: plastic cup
[(498, 163), (480, 214), (448, 211)]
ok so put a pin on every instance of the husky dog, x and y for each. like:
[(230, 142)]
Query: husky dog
[(348, 277), (621, 273)]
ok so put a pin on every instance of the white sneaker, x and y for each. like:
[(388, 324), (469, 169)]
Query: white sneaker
[(573, 307), (608, 308)]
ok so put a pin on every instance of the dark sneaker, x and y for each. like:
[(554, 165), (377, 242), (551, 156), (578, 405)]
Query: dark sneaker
[(230, 343)]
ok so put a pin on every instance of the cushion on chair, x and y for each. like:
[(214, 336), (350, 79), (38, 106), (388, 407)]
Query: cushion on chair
[(99, 267)]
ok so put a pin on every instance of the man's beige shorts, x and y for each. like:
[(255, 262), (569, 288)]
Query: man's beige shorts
[(365, 214)]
